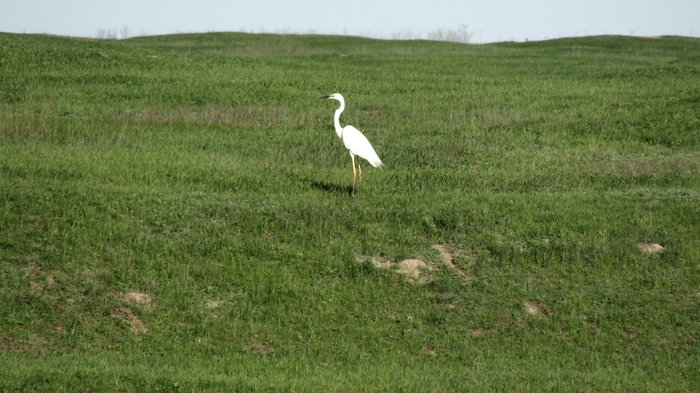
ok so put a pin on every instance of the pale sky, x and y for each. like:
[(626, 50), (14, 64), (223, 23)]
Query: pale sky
[(489, 21)]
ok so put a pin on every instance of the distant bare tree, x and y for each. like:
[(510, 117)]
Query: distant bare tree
[(461, 35), (125, 32), (404, 35), (108, 34)]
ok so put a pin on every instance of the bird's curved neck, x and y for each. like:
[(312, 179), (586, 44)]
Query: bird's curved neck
[(336, 120)]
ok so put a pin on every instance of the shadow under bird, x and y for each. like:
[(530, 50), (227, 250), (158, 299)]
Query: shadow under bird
[(356, 143)]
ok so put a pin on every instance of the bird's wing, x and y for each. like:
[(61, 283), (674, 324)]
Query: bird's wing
[(360, 146)]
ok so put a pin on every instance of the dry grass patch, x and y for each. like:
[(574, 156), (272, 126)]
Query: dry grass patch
[(212, 304), (10, 345), (649, 248), (36, 288), (259, 348), (428, 351), (273, 116), (136, 298), (532, 308), (136, 324), (630, 334), (611, 164), (413, 269), (39, 281), (256, 346), (446, 256), (376, 262)]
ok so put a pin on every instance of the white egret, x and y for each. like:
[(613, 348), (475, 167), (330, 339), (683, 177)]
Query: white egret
[(354, 141)]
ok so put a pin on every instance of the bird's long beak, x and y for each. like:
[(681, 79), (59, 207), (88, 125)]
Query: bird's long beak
[(325, 97)]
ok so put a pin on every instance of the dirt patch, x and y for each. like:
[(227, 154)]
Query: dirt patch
[(36, 288), (137, 325), (413, 269), (532, 308), (259, 348), (39, 281), (629, 334), (446, 256), (136, 298), (212, 304), (428, 351), (649, 248), (9, 345), (378, 263), (256, 346), (35, 273)]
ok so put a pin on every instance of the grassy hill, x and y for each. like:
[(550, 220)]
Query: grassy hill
[(175, 215)]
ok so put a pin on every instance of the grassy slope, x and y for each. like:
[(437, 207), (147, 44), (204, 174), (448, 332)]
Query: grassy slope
[(202, 170)]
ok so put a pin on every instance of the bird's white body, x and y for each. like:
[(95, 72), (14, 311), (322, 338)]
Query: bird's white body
[(356, 143)]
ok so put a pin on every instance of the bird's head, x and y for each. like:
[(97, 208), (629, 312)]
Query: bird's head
[(335, 96)]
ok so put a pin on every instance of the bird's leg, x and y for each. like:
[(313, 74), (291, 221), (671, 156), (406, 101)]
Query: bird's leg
[(360, 168), (354, 174)]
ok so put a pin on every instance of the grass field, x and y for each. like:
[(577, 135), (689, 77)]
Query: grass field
[(175, 215)]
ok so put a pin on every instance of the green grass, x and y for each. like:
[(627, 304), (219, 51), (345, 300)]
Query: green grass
[(203, 171)]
